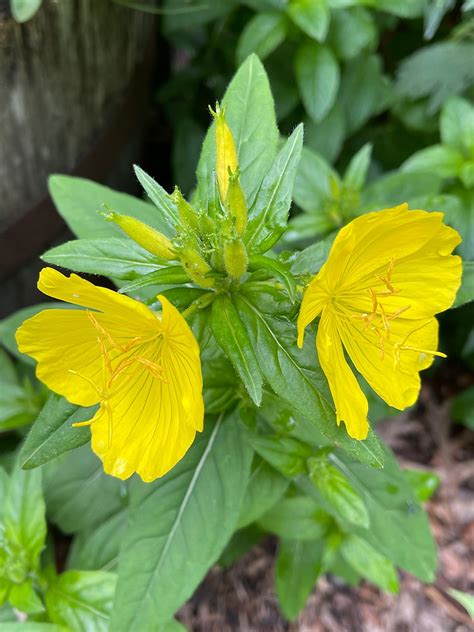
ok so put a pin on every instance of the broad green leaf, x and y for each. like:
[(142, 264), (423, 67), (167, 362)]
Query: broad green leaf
[(78, 201), (182, 15), (461, 217), (178, 527), (233, 339), (311, 259), (397, 187), (24, 10), (167, 211), (317, 74), (337, 491), (32, 626), (221, 384), (296, 518), (365, 91), (434, 13), (78, 493), (312, 17), (24, 514), (466, 600), (265, 488), (294, 375), (279, 270), (239, 544), (402, 8), (370, 563), (53, 433), (457, 126), (352, 31), (440, 159), (313, 182), (297, 568), (327, 136), (19, 403), (24, 598), (8, 374), (423, 483), (261, 35), (399, 527), (356, 172), (81, 600), (250, 113), (9, 325), (269, 214), (285, 454), (112, 257), (171, 275), (463, 408), (466, 291), (98, 548), (438, 72)]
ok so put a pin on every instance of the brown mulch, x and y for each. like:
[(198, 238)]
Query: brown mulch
[(242, 599)]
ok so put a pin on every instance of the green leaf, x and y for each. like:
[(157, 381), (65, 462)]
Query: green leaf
[(438, 159), (265, 488), (461, 217), (402, 8), (269, 214), (261, 35), (356, 172), (297, 568), (19, 404), (78, 494), (168, 212), (311, 259), (352, 31), (317, 74), (424, 484), (296, 518), (313, 182), (53, 433), (78, 200), (438, 72), (81, 600), (327, 136), (24, 514), (250, 113), (463, 408), (298, 382), (434, 13), (171, 275), (365, 91), (24, 598), (285, 454), (393, 188), (312, 17), (233, 339), (466, 600), (178, 527), (24, 10), (98, 548), (8, 375), (399, 528), (337, 491), (466, 291), (370, 563), (28, 626), (113, 257), (457, 126), (239, 544), (278, 269)]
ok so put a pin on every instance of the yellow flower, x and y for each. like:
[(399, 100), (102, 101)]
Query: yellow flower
[(142, 367), (386, 276)]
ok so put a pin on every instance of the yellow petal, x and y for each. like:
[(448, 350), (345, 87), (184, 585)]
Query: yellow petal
[(314, 299), (351, 403), (147, 424), (391, 366), (62, 341)]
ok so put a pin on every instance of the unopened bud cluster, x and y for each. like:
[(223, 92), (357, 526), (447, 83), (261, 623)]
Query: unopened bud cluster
[(209, 243)]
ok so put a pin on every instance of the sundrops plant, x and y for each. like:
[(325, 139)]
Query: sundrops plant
[(194, 373)]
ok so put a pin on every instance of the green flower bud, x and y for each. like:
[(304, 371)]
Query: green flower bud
[(235, 203), (235, 258), (196, 267), (187, 215), (144, 235)]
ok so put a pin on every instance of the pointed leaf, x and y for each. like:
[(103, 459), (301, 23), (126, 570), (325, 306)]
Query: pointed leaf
[(166, 207), (317, 74)]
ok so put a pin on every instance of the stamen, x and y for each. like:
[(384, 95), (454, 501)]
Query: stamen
[(80, 424)]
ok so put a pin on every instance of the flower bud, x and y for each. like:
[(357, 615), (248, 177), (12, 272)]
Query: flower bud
[(144, 235), (187, 215), (235, 258), (196, 267), (226, 154), (235, 203)]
